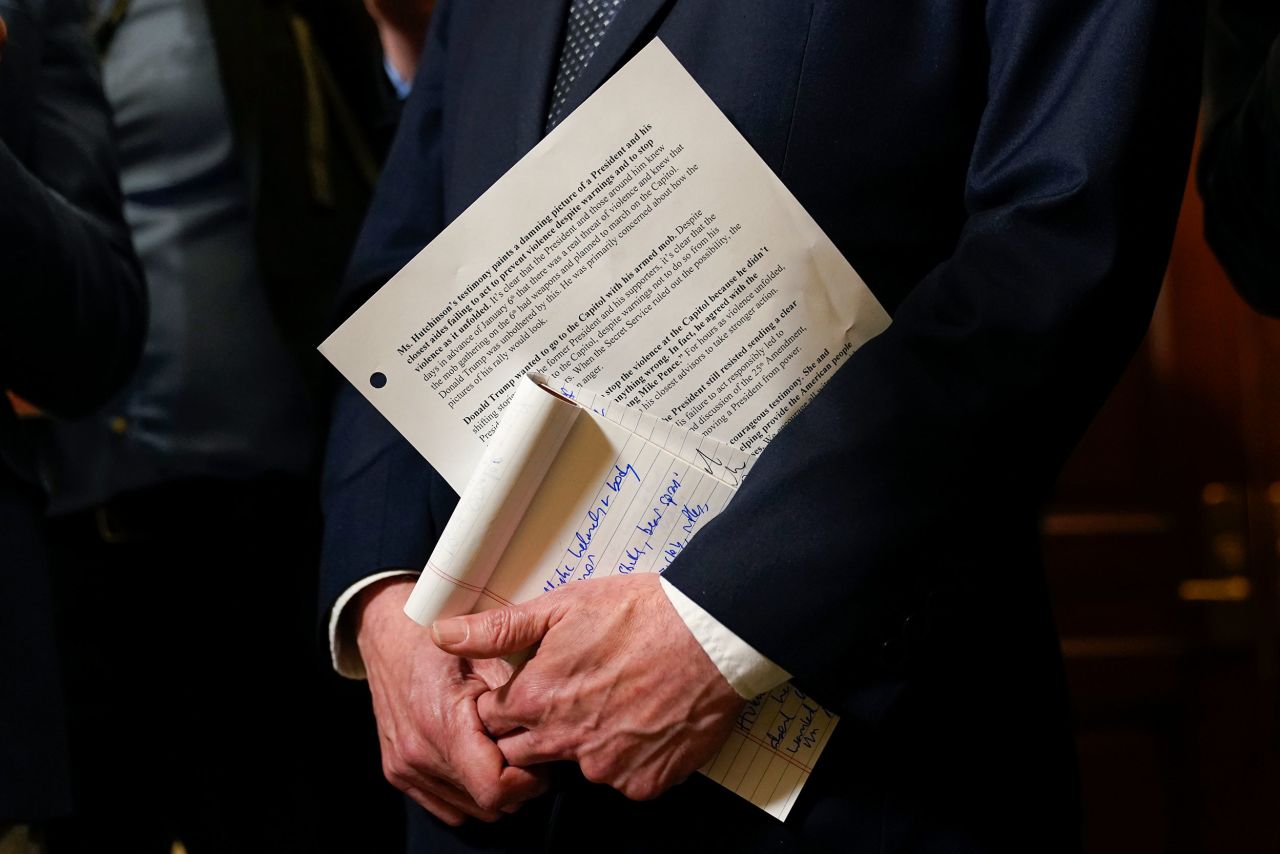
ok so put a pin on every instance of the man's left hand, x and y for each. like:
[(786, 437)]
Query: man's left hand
[(618, 684)]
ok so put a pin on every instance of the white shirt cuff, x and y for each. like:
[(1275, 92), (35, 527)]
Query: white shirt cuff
[(749, 672), (343, 651)]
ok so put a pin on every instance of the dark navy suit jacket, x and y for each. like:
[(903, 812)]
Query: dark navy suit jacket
[(1005, 175), (72, 317)]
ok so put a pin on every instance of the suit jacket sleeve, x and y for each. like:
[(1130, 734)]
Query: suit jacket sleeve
[(1240, 162), (897, 488), (380, 497), (72, 302)]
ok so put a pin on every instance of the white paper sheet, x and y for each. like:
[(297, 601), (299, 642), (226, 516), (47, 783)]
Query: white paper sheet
[(642, 249)]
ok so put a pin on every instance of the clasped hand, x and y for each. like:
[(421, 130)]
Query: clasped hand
[(434, 747), (618, 685)]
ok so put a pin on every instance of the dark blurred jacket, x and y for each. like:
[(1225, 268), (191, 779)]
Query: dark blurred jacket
[(228, 388), (311, 165), (1240, 162), (248, 133), (72, 315)]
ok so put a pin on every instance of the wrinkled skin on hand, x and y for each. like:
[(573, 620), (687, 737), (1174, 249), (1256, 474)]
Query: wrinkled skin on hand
[(618, 684), (434, 746)]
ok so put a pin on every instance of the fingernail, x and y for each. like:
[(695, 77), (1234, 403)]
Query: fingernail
[(450, 632)]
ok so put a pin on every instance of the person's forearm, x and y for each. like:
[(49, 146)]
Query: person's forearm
[(917, 471)]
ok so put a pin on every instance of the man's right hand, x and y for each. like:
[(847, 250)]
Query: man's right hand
[(434, 747)]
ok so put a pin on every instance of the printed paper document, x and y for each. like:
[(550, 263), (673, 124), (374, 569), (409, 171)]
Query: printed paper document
[(642, 249)]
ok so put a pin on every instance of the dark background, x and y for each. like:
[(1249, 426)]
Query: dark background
[(1162, 544)]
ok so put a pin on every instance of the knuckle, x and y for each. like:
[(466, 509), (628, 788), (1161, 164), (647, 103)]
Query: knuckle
[(396, 774), (595, 769), (519, 705), (536, 739), (499, 625), (416, 753), (561, 743), (640, 789), (489, 798), (449, 817)]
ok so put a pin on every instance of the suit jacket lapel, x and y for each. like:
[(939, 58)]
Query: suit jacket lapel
[(512, 77), (621, 39), (535, 33)]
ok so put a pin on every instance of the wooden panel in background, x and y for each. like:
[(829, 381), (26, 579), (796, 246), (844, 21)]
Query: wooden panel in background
[(1163, 547)]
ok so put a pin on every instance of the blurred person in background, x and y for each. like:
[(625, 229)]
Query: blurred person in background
[(184, 512), (72, 317), (1240, 162)]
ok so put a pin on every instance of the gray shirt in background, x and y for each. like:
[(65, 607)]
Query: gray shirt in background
[(217, 394)]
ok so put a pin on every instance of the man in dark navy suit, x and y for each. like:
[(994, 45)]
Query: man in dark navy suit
[(72, 315), (1005, 175)]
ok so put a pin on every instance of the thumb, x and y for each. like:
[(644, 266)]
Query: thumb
[(501, 631)]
